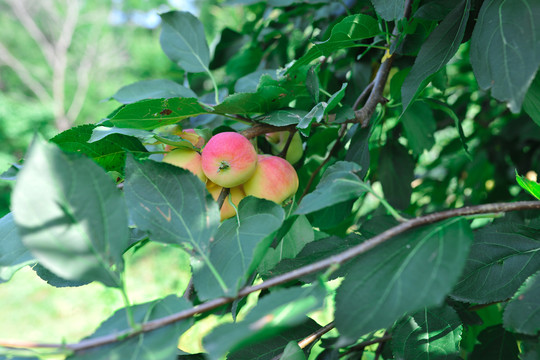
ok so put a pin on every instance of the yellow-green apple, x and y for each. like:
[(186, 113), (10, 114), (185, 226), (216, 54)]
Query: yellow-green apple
[(237, 193), (278, 140), (187, 159), (274, 179), (189, 135), (229, 159)]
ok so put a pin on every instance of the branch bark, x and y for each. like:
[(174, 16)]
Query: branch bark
[(318, 266)]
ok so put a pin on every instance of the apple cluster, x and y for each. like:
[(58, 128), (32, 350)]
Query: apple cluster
[(229, 160)]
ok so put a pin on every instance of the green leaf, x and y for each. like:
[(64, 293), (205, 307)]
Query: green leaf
[(358, 151), (338, 184), (439, 105), (270, 347), (389, 10), (344, 34), (419, 126), (264, 100), (396, 172), (502, 257), (312, 84), (159, 344), (504, 48), (437, 50), (495, 343), (532, 187), (70, 215), (101, 132), (429, 334), (293, 352), (237, 250), (13, 254), (54, 280), (412, 271), (171, 204), (531, 103), (154, 113), (183, 41), (275, 313), (230, 42), (152, 89), (522, 314), (110, 153), (250, 82), (315, 114), (335, 99), (283, 117), (300, 234)]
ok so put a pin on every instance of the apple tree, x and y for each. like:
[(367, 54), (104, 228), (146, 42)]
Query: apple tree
[(410, 133)]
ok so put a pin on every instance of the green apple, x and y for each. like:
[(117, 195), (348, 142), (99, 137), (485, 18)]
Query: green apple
[(237, 193), (274, 179), (229, 159), (186, 159), (278, 140)]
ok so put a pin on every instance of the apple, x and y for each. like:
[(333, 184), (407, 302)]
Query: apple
[(187, 159), (274, 179), (229, 159), (189, 135), (237, 193), (278, 140)]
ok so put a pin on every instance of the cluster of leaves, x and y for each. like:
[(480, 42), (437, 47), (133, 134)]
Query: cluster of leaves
[(429, 135)]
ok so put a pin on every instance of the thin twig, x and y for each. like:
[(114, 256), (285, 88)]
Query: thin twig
[(363, 95), (222, 196), (380, 347), (283, 152), (310, 339), (291, 275), (364, 344), (364, 114), (332, 151)]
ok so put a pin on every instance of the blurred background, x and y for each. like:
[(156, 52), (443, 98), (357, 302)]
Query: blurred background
[(61, 60)]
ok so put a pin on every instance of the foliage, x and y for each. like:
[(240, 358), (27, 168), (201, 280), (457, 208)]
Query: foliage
[(404, 229)]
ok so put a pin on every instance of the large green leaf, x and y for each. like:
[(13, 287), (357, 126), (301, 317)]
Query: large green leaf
[(430, 334), (110, 153), (412, 271), (338, 184), (275, 313), (396, 172), (283, 117), (13, 254), (419, 126), (345, 34), (153, 113), (152, 89), (272, 346), (389, 10), (435, 53), (300, 234), (505, 52), (531, 103), (358, 150), (183, 41), (160, 344), (171, 204), (238, 249), (70, 215), (495, 343), (264, 100), (502, 257), (522, 314), (532, 187)]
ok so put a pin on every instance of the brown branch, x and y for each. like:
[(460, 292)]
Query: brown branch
[(364, 344), (291, 275), (364, 114), (222, 196), (283, 152), (260, 129), (310, 339)]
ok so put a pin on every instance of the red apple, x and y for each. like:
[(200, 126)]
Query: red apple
[(229, 159), (237, 193), (278, 140), (274, 179), (186, 159)]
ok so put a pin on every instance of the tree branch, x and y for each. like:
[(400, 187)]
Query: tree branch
[(289, 276)]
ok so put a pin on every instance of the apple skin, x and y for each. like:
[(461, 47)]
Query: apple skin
[(237, 193), (189, 135), (274, 179), (229, 159), (278, 140), (187, 159)]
